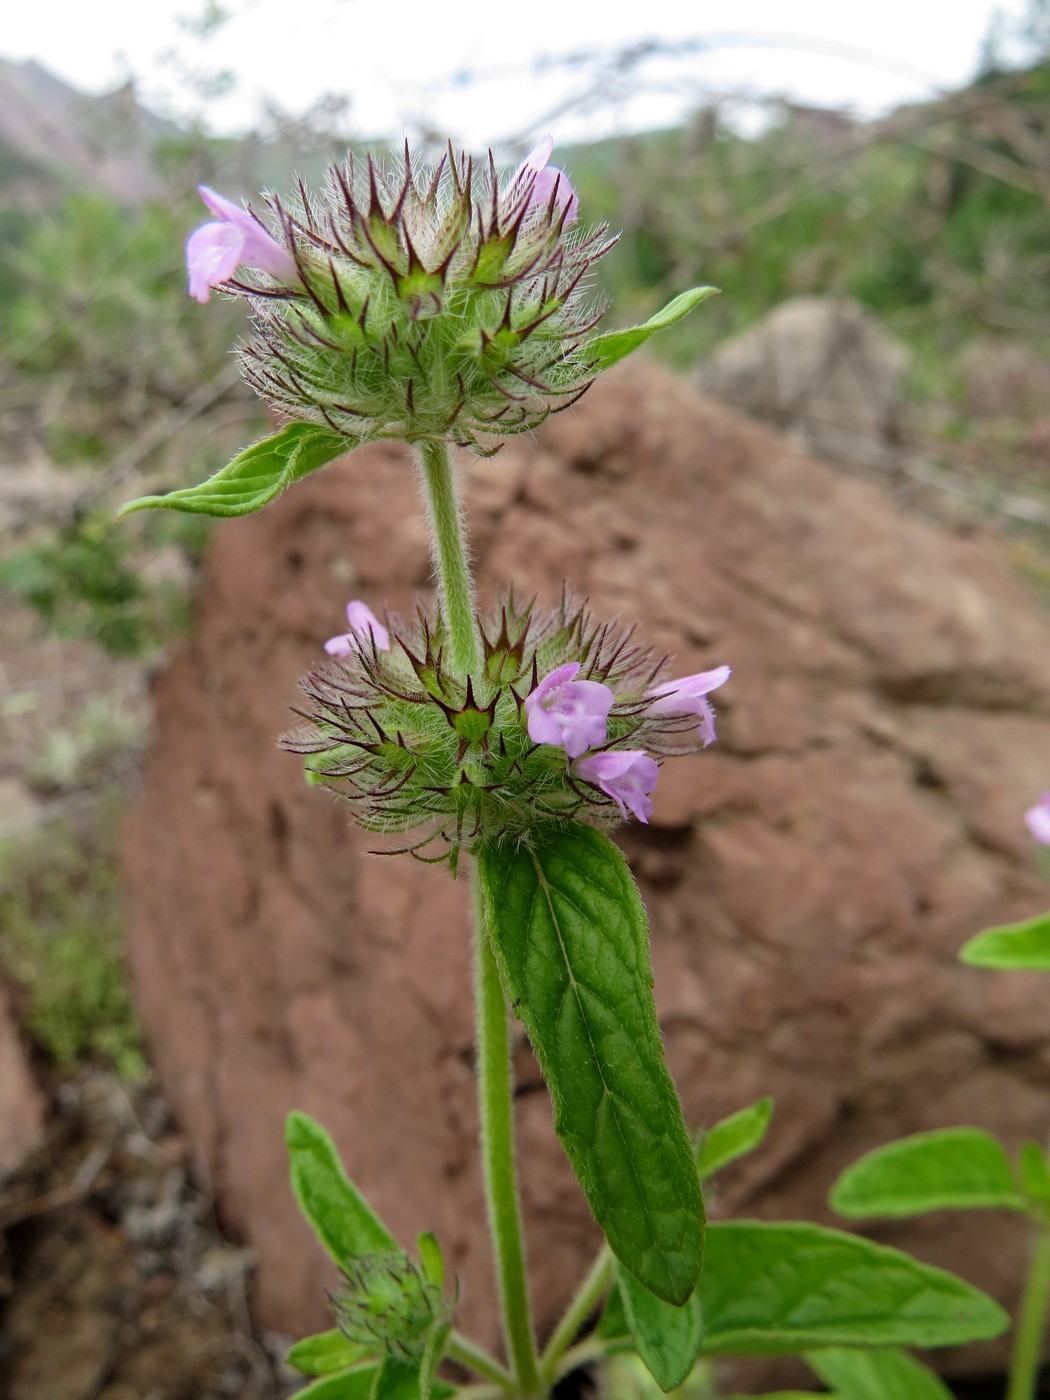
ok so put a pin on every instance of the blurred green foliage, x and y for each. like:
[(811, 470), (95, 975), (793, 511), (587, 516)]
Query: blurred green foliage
[(85, 580), (62, 937), (935, 218), (99, 322)]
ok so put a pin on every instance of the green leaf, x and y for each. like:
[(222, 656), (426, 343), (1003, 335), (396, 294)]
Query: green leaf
[(949, 1169), (877, 1375), (255, 476), (401, 1380), (431, 1260), (356, 1384), (1023, 947), (1034, 1172), (612, 1324), (392, 1380), (571, 942), (770, 1289), (343, 1221), (666, 1338), (324, 1353), (736, 1135), (606, 349)]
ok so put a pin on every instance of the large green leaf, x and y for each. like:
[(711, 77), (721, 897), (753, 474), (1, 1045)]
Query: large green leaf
[(391, 1380), (666, 1338), (402, 1380), (1023, 947), (325, 1353), (571, 941), (733, 1137), (343, 1221), (877, 1375), (356, 1384), (769, 1289), (255, 476), (949, 1169), (1034, 1172), (611, 346)]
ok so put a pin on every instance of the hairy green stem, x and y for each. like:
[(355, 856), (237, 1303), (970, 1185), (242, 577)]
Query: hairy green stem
[(584, 1301), (451, 558), (462, 1350), (496, 1108), (1028, 1336)]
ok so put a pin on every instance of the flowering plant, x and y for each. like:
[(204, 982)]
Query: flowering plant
[(451, 307)]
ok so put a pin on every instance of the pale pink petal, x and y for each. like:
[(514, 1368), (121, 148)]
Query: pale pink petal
[(363, 622), (215, 251), (213, 254), (687, 696), (628, 776), (363, 625), (1037, 819), (568, 713)]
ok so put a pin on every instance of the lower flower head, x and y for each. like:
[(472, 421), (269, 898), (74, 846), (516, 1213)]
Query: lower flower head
[(215, 251), (364, 627), (628, 776), (571, 713), (1037, 819), (688, 696), (458, 759)]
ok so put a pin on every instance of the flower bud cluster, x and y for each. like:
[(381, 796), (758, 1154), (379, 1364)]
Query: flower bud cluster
[(444, 303), (386, 1304), (562, 718)]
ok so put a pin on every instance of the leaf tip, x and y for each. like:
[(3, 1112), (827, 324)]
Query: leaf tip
[(297, 1129), (140, 503)]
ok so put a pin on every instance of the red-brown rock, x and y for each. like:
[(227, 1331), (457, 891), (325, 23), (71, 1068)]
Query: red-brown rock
[(809, 879)]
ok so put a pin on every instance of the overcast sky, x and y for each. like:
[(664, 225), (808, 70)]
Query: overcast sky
[(398, 63)]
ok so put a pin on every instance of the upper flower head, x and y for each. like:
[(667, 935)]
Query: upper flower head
[(628, 776), (363, 625), (548, 187), (568, 712), (215, 251), (1037, 819), (688, 696), (452, 303)]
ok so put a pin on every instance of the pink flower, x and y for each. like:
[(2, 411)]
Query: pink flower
[(363, 624), (1037, 819), (215, 251), (568, 712), (688, 696), (546, 180), (628, 776)]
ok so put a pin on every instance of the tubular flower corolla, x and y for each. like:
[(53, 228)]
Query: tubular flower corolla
[(562, 710), (628, 776), (364, 626), (688, 696), (215, 251), (1037, 819)]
